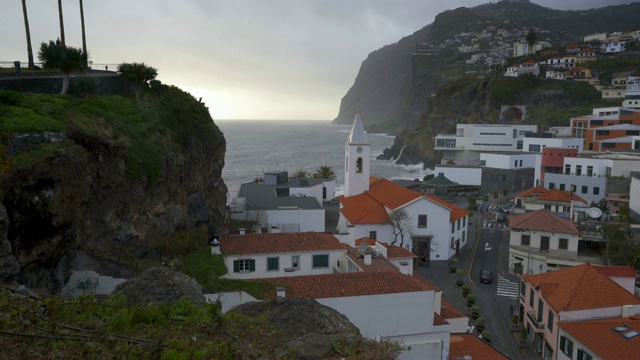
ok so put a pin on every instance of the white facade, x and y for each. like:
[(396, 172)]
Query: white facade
[(595, 37), (634, 198), (412, 321), (357, 149), (562, 355), (508, 161), (285, 261), (471, 176), (610, 46), (590, 188), (555, 75), (537, 144), (292, 220), (533, 260)]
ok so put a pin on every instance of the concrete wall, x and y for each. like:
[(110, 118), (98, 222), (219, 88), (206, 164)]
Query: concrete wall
[(307, 220), (634, 198), (555, 142), (580, 182), (308, 191), (508, 161), (51, 83), (513, 180), (462, 175), (305, 268)]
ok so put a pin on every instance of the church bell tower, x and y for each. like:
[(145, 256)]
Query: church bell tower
[(356, 160)]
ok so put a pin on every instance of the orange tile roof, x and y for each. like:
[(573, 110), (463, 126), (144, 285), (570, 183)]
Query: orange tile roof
[(369, 241), (616, 271), (560, 195), (456, 212), (579, 288), (426, 282), (542, 220), (439, 320), (599, 337), (279, 243), (572, 46), (532, 192), (397, 252), (528, 62), (378, 264), (370, 206), (448, 311), (468, 344), (347, 284)]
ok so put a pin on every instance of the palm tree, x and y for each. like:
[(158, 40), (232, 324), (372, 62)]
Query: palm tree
[(532, 37), (84, 38), (61, 22), (138, 74), (26, 29), (325, 172), (54, 55), (301, 174)]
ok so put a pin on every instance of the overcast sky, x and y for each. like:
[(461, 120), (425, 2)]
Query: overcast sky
[(247, 59)]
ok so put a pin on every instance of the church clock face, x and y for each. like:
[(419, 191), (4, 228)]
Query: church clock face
[(359, 149)]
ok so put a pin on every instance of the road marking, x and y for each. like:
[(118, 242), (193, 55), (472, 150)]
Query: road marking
[(507, 288), (487, 247)]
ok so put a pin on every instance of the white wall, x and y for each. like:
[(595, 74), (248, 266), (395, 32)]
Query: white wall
[(308, 220), (308, 191), (462, 175), (599, 165), (624, 167), (533, 259), (554, 142), (306, 262), (576, 345), (331, 189), (508, 161), (634, 198), (579, 182)]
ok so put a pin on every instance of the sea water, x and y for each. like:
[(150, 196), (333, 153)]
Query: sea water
[(258, 146)]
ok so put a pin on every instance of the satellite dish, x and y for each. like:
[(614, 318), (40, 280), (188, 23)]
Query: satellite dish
[(594, 212)]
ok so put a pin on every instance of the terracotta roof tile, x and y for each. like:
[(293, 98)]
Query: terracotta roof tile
[(426, 282), (391, 194), (363, 209), (369, 241), (347, 284), (560, 195), (397, 252), (439, 320), (616, 271), (279, 243), (448, 311), (533, 192), (599, 337), (542, 220), (580, 287), (377, 263), (456, 212), (468, 344)]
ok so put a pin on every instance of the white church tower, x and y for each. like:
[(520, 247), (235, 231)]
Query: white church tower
[(356, 160)]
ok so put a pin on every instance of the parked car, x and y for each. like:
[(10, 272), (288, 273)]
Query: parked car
[(486, 276), (501, 217)]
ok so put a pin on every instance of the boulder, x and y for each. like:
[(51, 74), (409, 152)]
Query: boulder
[(160, 284)]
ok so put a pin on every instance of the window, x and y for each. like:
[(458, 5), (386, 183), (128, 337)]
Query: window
[(531, 298), (273, 264), (295, 261), (320, 261), (585, 189), (525, 240), (515, 163), (464, 236), (596, 190), (578, 170), (589, 170), (563, 244), (562, 187), (540, 308), (523, 288), (552, 186), (464, 222), (566, 346), (550, 320), (544, 243), (520, 163), (453, 227), (534, 148), (351, 267), (458, 224), (519, 145), (567, 169), (373, 235), (453, 246), (583, 355), (359, 165), (244, 265), (422, 221)]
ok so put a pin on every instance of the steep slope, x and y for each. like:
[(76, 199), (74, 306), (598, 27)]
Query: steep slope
[(102, 173)]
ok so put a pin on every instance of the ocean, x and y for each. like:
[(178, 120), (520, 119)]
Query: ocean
[(258, 146)]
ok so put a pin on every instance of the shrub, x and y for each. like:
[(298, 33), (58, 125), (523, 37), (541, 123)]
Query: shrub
[(486, 335), (471, 298), (466, 288), (481, 321), (475, 308)]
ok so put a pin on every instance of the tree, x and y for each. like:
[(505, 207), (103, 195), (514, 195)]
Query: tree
[(622, 249), (624, 214), (28, 32), (55, 55), (61, 22), (300, 174), (84, 38), (325, 172), (401, 224), (532, 37), (138, 74)]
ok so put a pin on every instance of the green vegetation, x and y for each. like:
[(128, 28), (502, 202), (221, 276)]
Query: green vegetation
[(325, 172), (621, 248), (55, 55), (138, 74)]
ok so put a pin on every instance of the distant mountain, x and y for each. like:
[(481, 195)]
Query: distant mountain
[(395, 82)]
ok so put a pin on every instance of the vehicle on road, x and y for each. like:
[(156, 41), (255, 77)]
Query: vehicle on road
[(501, 217), (486, 276)]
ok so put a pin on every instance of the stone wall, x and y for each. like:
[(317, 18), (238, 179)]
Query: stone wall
[(109, 83)]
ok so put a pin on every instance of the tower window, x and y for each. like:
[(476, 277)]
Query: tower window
[(359, 165)]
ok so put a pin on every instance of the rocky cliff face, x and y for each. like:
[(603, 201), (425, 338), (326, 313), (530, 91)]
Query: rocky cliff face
[(80, 193)]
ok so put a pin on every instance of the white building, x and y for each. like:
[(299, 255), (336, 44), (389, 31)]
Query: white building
[(540, 241), (464, 147), (463, 175), (508, 161), (634, 198), (595, 37), (612, 45), (535, 143), (369, 205)]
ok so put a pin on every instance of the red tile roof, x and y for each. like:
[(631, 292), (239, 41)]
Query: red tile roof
[(377, 263), (600, 338), (528, 62), (347, 284), (279, 243), (578, 69), (426, 282), (369, 241), (439, 320), (560, 195), (572, 46), (448, 311), (370, 206), (397, 252), (579, 288), (468, 344), (542, 220), (533, 192), (616, 271)]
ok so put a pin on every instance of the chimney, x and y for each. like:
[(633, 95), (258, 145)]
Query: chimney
[(404, 268), (367, 257), (242, 231), (628, 311), (215, 245), (281, 291), (274, 229)]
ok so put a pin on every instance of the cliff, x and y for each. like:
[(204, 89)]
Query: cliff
[(105, 174)]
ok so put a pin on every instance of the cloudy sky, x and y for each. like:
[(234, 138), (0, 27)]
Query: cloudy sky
[(247, 59)]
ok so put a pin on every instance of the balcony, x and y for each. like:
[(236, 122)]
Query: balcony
[(537, 325), (446, 142)]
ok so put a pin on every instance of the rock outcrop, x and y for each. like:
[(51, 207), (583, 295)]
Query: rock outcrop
[(160, 284)]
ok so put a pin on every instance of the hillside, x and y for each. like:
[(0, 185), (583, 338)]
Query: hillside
[(104, 174), (394, 83)]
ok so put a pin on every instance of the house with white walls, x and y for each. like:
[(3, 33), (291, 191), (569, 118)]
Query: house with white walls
[(282, 204), (576, 293), (390, 213), (540, 241), (611, 338), (563, 203)]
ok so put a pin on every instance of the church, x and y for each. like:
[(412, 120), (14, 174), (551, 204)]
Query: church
[(390, 213)]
